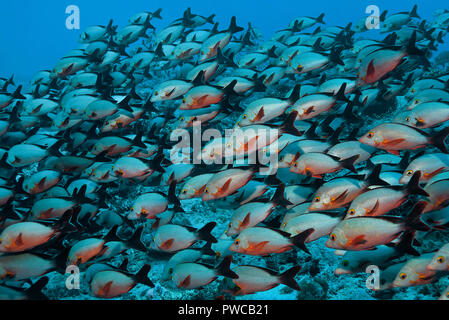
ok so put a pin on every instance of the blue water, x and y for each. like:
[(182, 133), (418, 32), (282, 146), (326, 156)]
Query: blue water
[(34, 36)]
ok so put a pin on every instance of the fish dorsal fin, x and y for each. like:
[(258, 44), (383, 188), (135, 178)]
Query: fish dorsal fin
[(245, 221)]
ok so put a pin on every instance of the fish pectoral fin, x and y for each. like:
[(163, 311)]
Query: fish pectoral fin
[(201, 99), (167, 244), (259, 116), (341, 197), (186, 282), (245, 221), (250, 62), (309, 110), (391, 143), (18, 241), (370, 70), (41, 183), (260, 245), (358, 240), (168, 94), (374, 208), (200, 190), (224, 188), (106, 288)]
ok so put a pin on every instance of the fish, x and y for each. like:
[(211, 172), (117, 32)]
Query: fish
[(112, 283), (252, 279), (362, 233), (190, 275), (172, 238), (262, 241)]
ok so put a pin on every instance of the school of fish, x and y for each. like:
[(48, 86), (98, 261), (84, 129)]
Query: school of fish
[(358, 128)]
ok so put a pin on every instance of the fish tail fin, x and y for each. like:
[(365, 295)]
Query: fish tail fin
[(158, 51), (233, 27), (335, 56), (319, 19), (333, 139), (278, 197), (156, 163), (229, 89), (349, 163), (224, 268), (210, 19), (112, 235), (246, 40), (413, 187), (289, 125), (207, 250), (413, 220), (411, 48), (17, 94), (383, 15), (439, 140), (172, 198), (414, 12), (35, 291), (157, 13), (299, 239), (205, 232), (272, 52), (136, 240), (64, 224), (374, 179), (142, 276), (54, 149), (272, 180), (288, 278), (259, 85), (296, 93), (340, 95), (110, 28), (405, 244)]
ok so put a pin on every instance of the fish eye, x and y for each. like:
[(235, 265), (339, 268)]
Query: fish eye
[(295, 164), (409, 172), (183, 100), (345, 263), (413, 90), (333, 237), (230, 225), (351, 212), (370, 135), (156, 93), (281, 158), (182, 118), (408, 119), (403, 276), (237, 242), (206, 190), (244, 116), (441, 259), (316, 199), (416, 101), (184, 191), (170, 271)]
